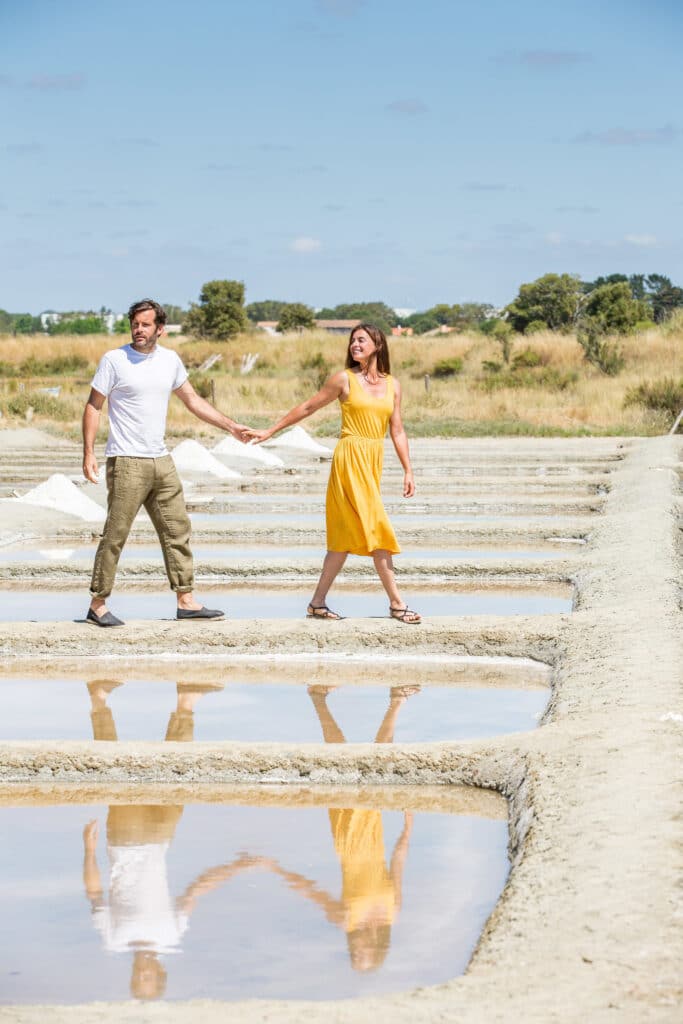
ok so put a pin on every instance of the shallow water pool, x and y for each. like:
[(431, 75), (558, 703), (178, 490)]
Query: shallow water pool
[(294, 899)]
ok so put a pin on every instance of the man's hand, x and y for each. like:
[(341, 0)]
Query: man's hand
[(240, 432), (90, 469), (256, 435)]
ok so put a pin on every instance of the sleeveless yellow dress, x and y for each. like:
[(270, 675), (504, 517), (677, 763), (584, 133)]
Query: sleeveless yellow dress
[(366, 883), (355, 516)]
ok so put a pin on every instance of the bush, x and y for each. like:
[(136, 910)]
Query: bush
[(526, 359), (203, 385), (41, 403), (318, 367), (535, 327), (550, 378), (599, 351), (447, 367), (665, 395), (67, 364)]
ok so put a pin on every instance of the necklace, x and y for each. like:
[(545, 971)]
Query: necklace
[(367, 380)]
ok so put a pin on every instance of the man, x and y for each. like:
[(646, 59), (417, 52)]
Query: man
[(137, 380)]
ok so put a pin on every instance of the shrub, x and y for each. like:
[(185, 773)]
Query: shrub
[(203, 385), (550, 378), (447, 367), (526, 359), (41, 403), (535, 327), (318, 367), (67, 364), (606, 355), (665, 395)]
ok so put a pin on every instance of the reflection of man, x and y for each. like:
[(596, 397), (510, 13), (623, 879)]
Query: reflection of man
[(140, 914), (181, 721), (137, 379)]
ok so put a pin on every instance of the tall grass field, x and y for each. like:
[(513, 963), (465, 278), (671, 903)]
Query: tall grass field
[(454, 384)]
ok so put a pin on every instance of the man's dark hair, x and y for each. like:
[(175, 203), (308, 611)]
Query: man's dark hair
[(142, 305)]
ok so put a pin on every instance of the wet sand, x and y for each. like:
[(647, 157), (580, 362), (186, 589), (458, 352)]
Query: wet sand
[(589, 925)]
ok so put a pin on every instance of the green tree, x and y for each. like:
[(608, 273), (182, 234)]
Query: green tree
[(78, 325), (377, 313), (267, 309), (220, 311), (6, 320), (174, 314), (25, 323), (612, 309), (296, 316), (553, 299), (122, 326)]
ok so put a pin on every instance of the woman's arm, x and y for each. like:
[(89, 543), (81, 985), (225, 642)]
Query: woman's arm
[(334, 387), (400, 439)]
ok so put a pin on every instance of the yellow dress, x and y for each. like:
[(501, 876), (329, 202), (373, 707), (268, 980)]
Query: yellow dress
[(355, 516), (367, 886)]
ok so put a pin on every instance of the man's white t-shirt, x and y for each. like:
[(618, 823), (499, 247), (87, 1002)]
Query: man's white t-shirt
[(138, 387), (140, 913)]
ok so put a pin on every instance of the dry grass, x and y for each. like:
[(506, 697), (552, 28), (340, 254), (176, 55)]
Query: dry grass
[(289, 368)]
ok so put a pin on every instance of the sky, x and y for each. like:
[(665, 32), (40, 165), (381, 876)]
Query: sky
[(329, 151)]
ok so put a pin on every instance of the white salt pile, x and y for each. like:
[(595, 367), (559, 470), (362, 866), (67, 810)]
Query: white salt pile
[(229, 450), (192, 457), (298, 438), (59, 493)]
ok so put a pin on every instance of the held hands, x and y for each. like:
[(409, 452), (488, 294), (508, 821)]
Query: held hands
[(257, 436), (408, 484)]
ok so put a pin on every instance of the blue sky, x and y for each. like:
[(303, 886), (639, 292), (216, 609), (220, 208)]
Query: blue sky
[(331, 151)]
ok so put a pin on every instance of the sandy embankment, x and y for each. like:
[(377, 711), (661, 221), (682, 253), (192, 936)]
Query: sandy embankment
[(589, 925)]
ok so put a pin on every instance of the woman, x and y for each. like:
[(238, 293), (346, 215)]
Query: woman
[(357, 523)]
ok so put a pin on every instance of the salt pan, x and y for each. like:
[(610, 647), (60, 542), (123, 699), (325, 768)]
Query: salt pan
[(230, 449), (192, 457), (59, 493), (298, 438)]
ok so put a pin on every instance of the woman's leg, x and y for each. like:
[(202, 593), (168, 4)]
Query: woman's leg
[(332, 564), (384, 564)]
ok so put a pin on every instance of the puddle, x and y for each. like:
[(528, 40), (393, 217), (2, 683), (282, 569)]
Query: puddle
[(205, 552), (329, 706), (272, 895), (286, 602)]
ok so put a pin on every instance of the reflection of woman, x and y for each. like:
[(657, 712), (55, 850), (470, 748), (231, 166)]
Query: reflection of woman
[(356, 520), (371, 892)]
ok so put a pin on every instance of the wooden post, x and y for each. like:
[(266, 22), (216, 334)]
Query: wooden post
[(212, 384)]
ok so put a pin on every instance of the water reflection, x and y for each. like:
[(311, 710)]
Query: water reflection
[(139, 914), (180, 727)]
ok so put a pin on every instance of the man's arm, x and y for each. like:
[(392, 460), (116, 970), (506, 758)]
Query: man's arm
[(203, 410), (91, 421)]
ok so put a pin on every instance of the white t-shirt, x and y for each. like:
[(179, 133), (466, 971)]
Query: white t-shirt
[(141, 913), (138, 387)]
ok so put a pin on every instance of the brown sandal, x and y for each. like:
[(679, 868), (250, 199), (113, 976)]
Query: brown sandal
[(406, 615), (321, 611)]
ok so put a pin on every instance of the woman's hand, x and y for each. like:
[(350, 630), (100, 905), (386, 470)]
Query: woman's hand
[(408, 484), (249, 434)]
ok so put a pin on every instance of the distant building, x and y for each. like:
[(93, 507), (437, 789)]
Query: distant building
[(49, 317), (337, 326), (398, 331), (269, 326)]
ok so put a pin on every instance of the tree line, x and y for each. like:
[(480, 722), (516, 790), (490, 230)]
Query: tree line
[(614, 304)]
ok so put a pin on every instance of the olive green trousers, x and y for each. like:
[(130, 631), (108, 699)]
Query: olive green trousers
[(154, 483)]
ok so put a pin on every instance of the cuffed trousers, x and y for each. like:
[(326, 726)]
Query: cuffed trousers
[(154, 483)]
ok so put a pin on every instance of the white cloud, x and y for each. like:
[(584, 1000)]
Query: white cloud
[(553, 238), (305, 244), (644, 241)]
